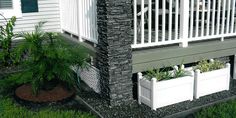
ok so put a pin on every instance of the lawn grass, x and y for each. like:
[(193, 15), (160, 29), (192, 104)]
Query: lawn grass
[(8, 109), (223, 110)]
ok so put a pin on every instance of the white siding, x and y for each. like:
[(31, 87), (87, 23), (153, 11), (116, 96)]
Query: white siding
[(48, 11)]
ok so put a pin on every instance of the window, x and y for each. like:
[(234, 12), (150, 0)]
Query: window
[(29, 6), (10, 8)]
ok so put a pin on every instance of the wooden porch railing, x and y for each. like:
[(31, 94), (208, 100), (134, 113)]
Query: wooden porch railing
[(163, 22)]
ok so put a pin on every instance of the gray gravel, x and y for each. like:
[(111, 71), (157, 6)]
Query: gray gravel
[(134, 110)]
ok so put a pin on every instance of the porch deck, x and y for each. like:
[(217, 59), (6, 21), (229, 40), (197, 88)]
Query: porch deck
[(157, 57), (199, 27)]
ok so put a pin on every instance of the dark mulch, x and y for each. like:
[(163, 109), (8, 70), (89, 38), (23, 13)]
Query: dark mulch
[(65, 99), (66, 104), (134, 110), (58, 93)]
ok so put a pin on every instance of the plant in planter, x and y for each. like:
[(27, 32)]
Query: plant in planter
[(205, 66), (167, 73), (159, 74), (211, 77), (162, 88), (6, 37), (49, 62)]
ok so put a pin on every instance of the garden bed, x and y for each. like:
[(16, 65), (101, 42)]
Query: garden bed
[(59, 93)]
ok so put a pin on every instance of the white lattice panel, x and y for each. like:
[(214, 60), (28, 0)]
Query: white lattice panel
[(91, 77)]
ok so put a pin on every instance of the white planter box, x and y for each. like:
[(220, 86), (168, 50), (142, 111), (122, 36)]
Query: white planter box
[(211, 82), (163, 93), (91, 77)]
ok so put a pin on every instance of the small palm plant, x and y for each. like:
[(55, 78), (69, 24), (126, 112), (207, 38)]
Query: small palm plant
[(49, 60)]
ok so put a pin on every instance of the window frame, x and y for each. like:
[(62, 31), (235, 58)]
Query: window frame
[(15, 11)]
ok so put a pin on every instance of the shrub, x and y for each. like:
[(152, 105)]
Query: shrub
[(205, 66), (49, 60), (6, 37)]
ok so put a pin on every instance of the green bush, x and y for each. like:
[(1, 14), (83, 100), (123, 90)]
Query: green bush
[(49, 61), (8, 109), (205, 66), (6, 37), (224, 110)]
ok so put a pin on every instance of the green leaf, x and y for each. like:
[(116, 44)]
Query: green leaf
[(49, 58)]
